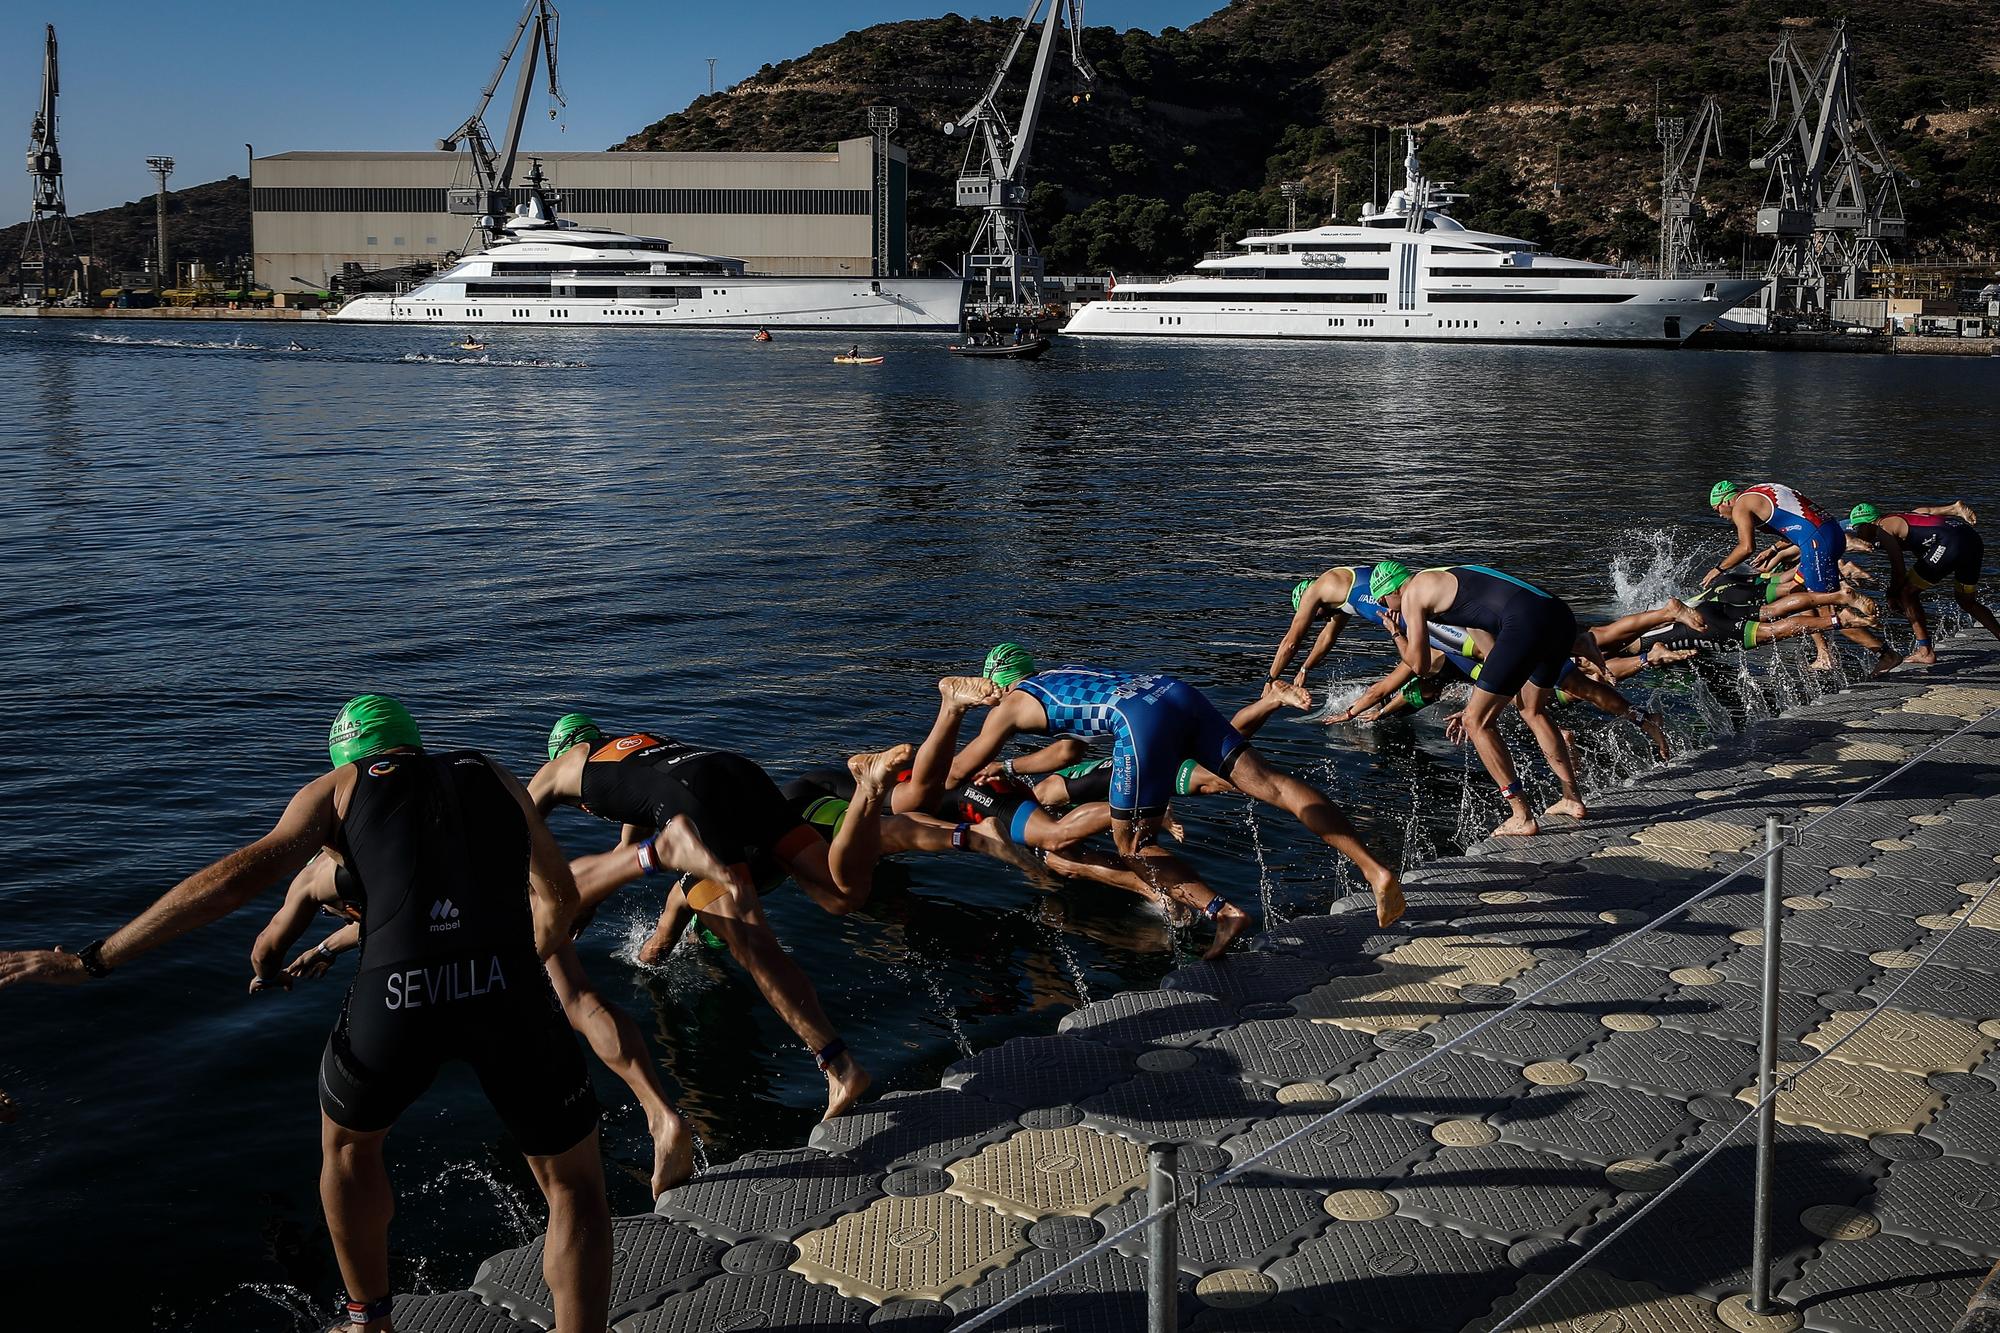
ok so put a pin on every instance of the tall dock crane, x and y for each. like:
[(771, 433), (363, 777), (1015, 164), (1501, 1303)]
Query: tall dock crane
[(49, 267), (1832, 200), (1003, 265), (490, 198), (1684, 156)]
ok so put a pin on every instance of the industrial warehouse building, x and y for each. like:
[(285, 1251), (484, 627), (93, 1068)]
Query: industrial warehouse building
[(317, 214)]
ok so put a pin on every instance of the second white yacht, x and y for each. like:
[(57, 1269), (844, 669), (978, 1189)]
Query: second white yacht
[(1410, 271)]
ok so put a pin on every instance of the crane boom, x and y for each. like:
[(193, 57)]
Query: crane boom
[(48, 266), (493, 167), (1003, 250)]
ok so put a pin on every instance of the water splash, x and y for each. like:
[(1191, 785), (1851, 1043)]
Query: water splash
[(517, 1215), (304, 1311), (235, 344), (1657, 569), (1265, 904), (522, 363)]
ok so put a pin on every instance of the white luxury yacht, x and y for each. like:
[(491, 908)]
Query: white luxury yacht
[(542, 269), (1409, 271)]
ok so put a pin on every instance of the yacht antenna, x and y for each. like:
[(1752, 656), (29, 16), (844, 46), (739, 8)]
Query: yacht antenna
[(48, 266), (1290, 192), (1003, 252), (491, 197)]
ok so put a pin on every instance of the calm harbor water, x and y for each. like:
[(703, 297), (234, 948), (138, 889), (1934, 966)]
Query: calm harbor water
[(208, 542)]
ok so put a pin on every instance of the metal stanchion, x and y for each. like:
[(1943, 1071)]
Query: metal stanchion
[(1162, 1261), (1760, 1311)]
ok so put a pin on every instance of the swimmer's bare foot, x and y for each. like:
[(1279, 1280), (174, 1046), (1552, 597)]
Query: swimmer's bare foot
[(1686, 615), (1886, 663), (673, 1151), (1229, 923), (1389, 903), (1922, 657), (1173, 827), (846, 1080), (8, 1111), (1822, 661), (1569, 806), (1295, 696), (1661, 655), (1860, 603), (1519, 826), (968, 691), (875, 772)]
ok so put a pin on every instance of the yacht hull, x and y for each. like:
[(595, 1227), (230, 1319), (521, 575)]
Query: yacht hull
[(743, 303), (1659, 313)]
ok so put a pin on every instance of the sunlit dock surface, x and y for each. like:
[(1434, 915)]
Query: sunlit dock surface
[(1457, 1192)]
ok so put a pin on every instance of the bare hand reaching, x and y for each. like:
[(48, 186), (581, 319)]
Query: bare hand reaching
[(50, 967)]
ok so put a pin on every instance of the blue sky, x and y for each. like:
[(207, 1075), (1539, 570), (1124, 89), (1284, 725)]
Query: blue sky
[(196, 79)]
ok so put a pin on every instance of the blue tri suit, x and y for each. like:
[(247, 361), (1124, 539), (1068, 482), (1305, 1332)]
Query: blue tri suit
[(1155, 722)]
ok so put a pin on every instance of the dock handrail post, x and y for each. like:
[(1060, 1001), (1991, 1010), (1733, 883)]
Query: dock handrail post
[(1767, 1069), (1162, 1261)]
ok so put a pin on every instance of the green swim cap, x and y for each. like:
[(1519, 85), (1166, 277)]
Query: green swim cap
[(571, 728), (1723, 490), (1299, 591), (1864, 513), (1008, 664), (368, 725), (1389, 575), (1184, 779)]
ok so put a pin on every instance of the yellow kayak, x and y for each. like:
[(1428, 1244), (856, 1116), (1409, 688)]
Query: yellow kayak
[(857, 360)]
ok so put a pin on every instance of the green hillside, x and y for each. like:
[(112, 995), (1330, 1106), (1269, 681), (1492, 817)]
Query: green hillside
[(1186, 133)]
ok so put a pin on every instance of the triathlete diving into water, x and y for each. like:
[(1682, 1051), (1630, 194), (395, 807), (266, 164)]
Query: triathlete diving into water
[(719, 817), (1928, 545), (1781, 510), (1155, 722)]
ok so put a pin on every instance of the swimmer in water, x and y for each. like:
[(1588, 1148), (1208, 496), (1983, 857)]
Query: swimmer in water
[(433, 837), (1820, 541), (715, 815), (1925, 546), (327, 885), (1527, 636), (1155, 722)]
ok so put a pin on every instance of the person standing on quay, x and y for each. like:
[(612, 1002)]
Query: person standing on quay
[(465, 892)]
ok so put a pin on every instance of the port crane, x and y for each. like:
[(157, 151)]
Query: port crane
[(1684, 156), (491, 198), (49, 268), (1003, 265), (1833, 197)]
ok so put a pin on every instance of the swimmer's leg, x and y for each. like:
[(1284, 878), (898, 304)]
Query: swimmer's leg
[(1627, 628), (1968, 602), (1481, 722), (1610, 702), (1276, 695), (615, 1039), (576, 1262), (857, 842), (1534, 701), (743, 927), (930, 771), (674, 918), (1913, 610), (1310, 806), (1168, 878), (354, 1190)]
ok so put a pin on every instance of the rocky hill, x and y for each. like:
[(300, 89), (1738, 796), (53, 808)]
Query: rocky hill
[(207, 222), (1543, 110)]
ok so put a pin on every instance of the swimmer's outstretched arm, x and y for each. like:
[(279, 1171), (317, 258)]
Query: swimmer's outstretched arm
[(1746, 541), (1385, 688), (207, 895), (1006, 720), (310, 887), (1059, 753), (315, 961)]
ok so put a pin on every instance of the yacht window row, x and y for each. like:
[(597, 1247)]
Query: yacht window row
[(1303, 274), (588, 199), (1533, 271), (1213, 296)]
